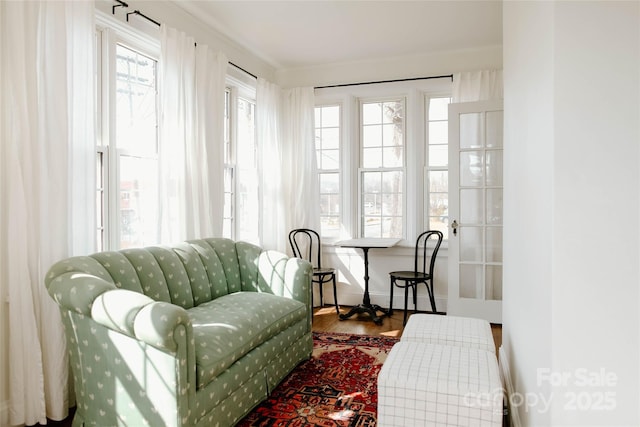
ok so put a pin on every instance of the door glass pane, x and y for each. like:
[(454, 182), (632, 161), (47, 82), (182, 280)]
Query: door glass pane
[(494, 244), (494, 282), (494, 129), (493, 167), (470, 130), (471, 281), (471, 244), (471, 169), (494, 206), (471, 206)]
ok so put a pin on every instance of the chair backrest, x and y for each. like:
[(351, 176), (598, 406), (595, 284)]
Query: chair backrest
[(422, 250), (305, 244)]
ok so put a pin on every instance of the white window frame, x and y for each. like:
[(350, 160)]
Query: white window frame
[(332, 171), (427, 167), (381, 169), (415, 195), (239, 86), (109, 33)]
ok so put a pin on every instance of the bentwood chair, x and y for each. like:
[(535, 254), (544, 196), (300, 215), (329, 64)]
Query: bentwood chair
[(305, 243), (420, 274)]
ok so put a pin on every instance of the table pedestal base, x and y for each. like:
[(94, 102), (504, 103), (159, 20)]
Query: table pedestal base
[(370, 309)]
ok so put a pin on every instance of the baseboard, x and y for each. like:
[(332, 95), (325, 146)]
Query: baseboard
[(505, 373)]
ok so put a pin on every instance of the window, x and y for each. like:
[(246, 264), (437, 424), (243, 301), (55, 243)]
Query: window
[(390, 138), (127, 146), (241, 164), (327, 137), (437, 187), (382, 168)]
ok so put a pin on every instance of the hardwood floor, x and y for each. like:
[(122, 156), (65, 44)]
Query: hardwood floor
[(325, 319)]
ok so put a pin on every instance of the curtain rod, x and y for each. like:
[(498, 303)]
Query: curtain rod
[(447, 76), (137, 12)]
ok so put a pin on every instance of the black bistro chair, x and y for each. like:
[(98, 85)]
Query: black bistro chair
[(420, 274), (305, 244)]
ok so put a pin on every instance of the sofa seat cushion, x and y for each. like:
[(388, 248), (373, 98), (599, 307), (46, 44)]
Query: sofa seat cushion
[(228, 327)]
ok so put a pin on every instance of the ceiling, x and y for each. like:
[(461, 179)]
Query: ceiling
[(302, 33)]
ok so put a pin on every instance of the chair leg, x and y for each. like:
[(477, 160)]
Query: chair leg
[(406, 303), (432, 298), (321, 286), (414, 288), (335, 295), (390, 312)]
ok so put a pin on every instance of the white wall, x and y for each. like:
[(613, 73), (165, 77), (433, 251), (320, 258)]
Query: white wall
[(429, 64), (572, 132)]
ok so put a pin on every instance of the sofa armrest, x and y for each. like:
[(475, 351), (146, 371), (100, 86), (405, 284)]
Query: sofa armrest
[(297, 280), (160, 324), (121, 310)]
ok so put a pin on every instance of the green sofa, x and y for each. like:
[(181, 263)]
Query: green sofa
[(193, 334)]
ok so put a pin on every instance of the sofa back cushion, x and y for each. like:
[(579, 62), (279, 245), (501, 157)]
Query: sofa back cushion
[(186, 274)]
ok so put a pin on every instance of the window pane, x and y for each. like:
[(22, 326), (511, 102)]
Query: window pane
[(371, 182), (392, 157), (246, 227), (438, 181), (329, 159), (393, 112), (371, 157), (135, 101), (330, 117), (329, 183), (439, 108), (372, 136), (330, 138), (138, 201), (327, 128), (392, 182), (439, 205), (382, 206), (438, 133), (371, 113), (438, 155)]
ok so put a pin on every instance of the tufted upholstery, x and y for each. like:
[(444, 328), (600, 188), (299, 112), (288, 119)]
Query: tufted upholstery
[(196, 333)]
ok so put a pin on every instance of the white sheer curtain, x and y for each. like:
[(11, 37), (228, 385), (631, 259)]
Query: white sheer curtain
[(47, 190), (192, 85), (287, 165), (299, 174), (269, 134), (480, 85)]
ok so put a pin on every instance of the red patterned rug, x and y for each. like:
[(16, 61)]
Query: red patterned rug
[(336, 387)]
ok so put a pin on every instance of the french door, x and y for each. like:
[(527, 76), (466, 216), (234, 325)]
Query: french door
[(475, 210)]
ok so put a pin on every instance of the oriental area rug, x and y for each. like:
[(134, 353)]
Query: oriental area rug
[(336, 387)]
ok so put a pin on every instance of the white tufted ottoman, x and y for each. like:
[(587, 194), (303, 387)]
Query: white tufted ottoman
[(424, 384), (449, 330)]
